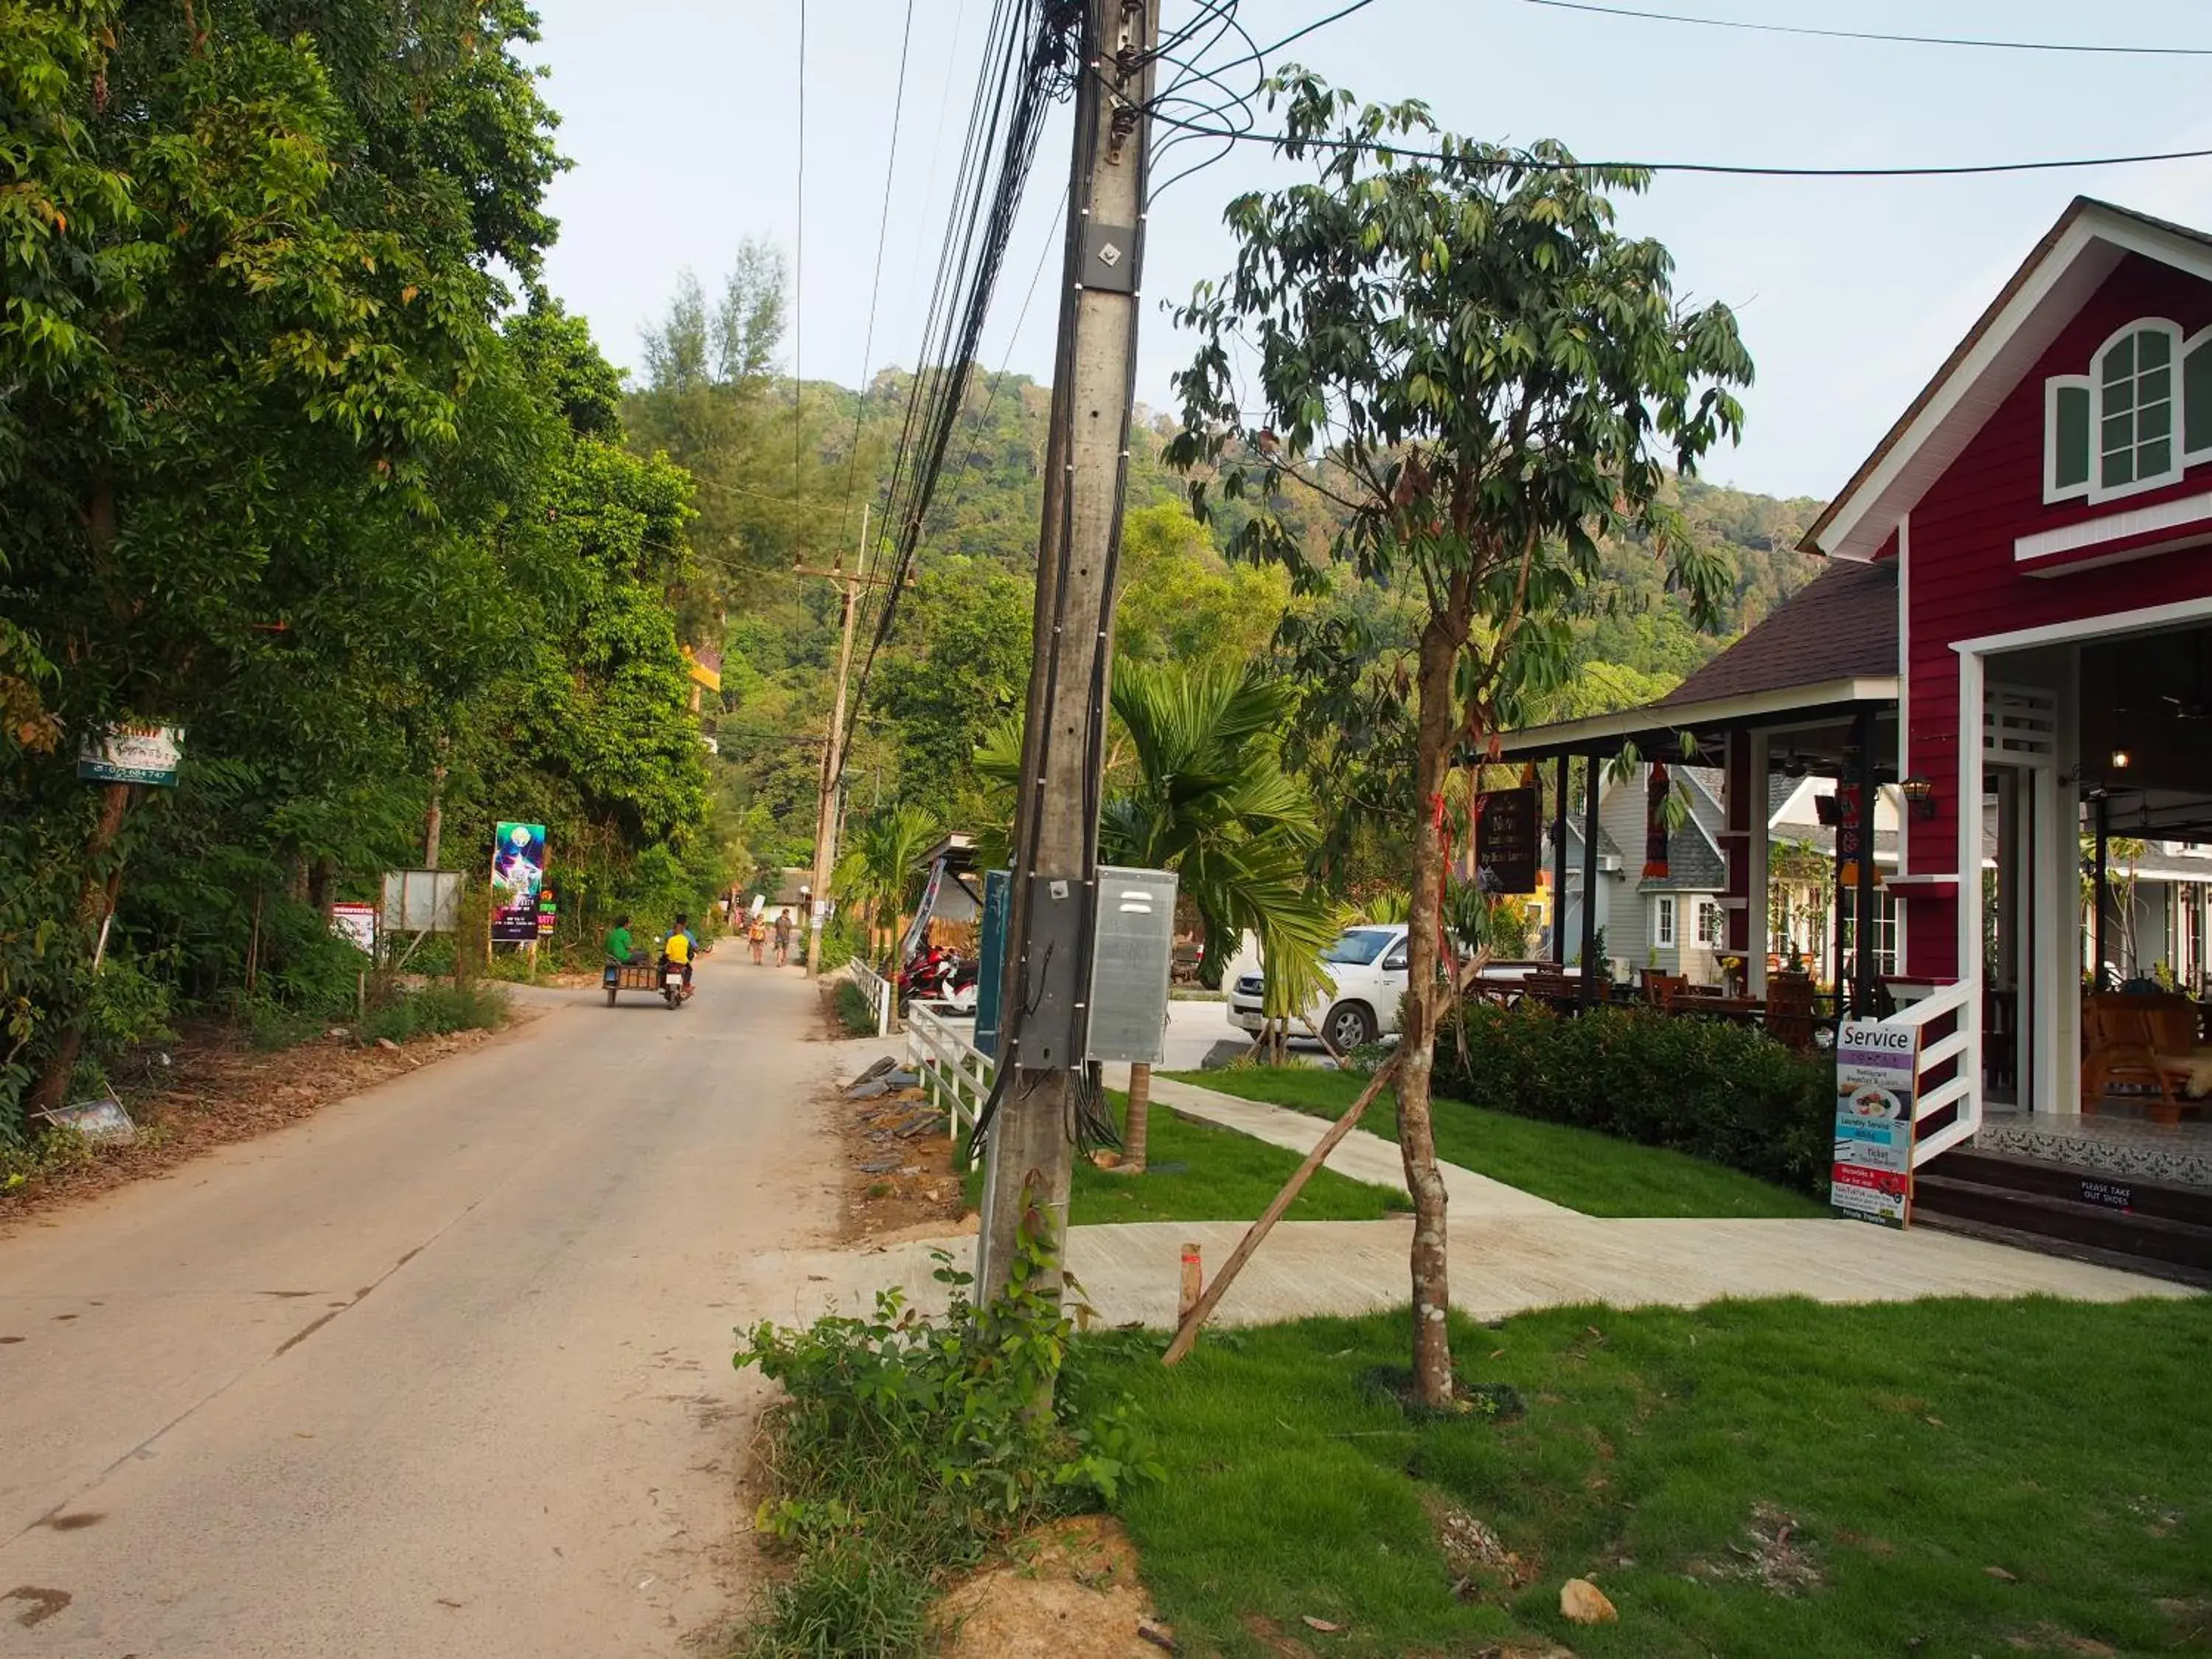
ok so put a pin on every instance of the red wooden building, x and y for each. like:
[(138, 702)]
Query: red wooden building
[(2039, 522)]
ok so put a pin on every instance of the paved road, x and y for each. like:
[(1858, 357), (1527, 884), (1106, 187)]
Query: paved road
[(441, 1370)]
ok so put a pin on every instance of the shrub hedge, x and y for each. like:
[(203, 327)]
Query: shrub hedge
[(1723, 1092)]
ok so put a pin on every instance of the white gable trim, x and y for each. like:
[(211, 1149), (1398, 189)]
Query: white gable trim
[(2010, 345)]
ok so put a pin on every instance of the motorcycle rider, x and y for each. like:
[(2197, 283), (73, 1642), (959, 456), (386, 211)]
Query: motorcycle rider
[(620, 946), (676, 950)]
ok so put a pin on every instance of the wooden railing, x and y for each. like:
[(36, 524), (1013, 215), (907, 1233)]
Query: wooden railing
[(955, 1074), (1949, 1075)]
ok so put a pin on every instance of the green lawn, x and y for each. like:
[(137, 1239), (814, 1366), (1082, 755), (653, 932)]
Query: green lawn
[(1751, 1479), (1200, 1173), (1580, 1169)]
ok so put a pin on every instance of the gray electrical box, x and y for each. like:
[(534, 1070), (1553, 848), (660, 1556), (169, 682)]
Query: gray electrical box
[(1133, 951)]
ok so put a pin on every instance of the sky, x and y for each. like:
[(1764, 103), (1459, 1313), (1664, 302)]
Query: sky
[(682, 122)]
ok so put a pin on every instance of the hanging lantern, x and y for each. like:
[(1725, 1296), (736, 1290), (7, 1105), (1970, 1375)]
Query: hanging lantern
[(1654, 824)]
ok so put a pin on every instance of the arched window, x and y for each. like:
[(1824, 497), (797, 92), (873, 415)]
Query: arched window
[(2142, 412), (2135, 435)]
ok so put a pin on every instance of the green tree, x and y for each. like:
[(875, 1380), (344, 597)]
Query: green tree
[(1495, 372), (1181, 602), (881, 873), (246, 284)]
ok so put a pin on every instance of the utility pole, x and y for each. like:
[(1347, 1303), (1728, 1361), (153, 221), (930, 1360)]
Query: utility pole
[(1030, 1155), (833, 752)]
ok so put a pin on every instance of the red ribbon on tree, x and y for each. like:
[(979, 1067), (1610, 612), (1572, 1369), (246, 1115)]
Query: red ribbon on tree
[(1654, 824)]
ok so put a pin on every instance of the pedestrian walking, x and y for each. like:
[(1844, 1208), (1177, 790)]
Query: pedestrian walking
[(783, 937), (757, 934)]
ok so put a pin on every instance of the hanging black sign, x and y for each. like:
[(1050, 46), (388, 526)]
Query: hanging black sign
[(1509, 840)]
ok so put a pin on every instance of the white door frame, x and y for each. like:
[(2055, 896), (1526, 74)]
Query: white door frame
[(2052, 1021)]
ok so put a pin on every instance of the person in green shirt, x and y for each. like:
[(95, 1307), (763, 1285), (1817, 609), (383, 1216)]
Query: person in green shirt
[(618, 941)]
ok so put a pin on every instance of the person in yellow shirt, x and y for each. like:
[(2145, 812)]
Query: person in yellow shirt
[(676, 950)]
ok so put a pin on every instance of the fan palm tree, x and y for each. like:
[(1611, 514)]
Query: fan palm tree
[(1207, 797)]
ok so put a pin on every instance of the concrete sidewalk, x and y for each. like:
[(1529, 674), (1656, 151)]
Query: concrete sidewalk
[(1502, 1265)]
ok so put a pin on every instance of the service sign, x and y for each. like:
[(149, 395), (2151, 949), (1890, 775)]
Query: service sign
[(132, 754), (1876, 1067)]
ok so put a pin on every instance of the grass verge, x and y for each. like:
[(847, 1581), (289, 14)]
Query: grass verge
[(1594, 1173), (1747, 1480), (1198, 1172), (435, 1009), (855, 1012)]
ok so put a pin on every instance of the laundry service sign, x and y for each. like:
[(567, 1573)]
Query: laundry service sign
[(1876, 1067)]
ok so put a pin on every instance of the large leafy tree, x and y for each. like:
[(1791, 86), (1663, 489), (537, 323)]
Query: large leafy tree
[(248, 283), (1499, 379)]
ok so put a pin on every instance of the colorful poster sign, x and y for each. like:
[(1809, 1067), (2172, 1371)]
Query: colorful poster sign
[(518, 876), (132, 754), (1877, 1066), (1508, 841), (549, 911), (356, 925)]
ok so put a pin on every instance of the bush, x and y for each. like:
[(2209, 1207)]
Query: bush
[(855, 1012), (1726, 1093), (435, 1009), (910, 1448)]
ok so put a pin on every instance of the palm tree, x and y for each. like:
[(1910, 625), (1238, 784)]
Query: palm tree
[(1207, 797), (880, 872)]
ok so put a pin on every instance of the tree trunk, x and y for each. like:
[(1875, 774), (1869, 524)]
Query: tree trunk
[(53, 1090), (1135, 1128), (1432, 1368)]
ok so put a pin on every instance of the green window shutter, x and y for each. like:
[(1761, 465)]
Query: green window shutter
[(2197, 399), (2070, 433)]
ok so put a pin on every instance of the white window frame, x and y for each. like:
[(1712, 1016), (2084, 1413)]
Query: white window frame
[(1711, 933), (2093, 490), (1662, 922)]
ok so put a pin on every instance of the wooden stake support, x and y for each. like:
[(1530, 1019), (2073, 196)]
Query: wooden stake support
[(1187, 1332)]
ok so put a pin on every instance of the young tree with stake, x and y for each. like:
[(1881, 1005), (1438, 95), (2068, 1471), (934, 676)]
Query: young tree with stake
[(1499, 380)]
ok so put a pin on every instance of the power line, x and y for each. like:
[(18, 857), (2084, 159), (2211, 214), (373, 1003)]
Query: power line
[(875, 291), (799, 285), (1260, 54), (1468, 160), (1870, 34)]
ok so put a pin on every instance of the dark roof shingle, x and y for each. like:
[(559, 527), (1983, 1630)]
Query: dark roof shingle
[(1841, 625)]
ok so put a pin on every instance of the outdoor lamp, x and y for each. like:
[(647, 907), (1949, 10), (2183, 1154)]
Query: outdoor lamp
[(2122, 760), (1919, 796)]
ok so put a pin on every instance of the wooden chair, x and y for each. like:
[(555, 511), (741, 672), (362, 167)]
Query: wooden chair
[(1661, 990), (1789, 1011), (2150, 1041)]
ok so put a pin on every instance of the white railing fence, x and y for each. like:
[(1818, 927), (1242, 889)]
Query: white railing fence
[(877, 990), (1950, 1073), (955, 1074)]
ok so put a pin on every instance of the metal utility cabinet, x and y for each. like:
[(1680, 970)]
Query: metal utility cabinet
[(1132, 952)]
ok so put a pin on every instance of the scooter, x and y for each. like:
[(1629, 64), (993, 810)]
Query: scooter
[(927, 974)]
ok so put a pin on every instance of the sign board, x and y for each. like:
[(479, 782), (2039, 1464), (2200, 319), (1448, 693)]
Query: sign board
[(95, 1119), (421, 901), (549, 911), (1877, 1066), (991, 960), (918, 929), (1509, 840), (132, 754), (518, 876), (356, 925)]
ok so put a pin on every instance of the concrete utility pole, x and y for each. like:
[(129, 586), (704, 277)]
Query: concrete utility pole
[(1030, 1154), (826, 817)]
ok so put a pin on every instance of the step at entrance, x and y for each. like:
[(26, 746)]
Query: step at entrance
[(2069, 1205)]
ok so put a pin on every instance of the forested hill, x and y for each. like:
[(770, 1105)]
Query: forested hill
[(956, 661)]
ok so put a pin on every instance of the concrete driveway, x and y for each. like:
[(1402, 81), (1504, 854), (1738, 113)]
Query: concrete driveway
[(443, 1370)]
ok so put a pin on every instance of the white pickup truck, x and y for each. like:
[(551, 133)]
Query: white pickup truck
[(1366, 969)]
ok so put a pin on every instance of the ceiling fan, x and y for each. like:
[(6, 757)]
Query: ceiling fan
[(2195, 706)]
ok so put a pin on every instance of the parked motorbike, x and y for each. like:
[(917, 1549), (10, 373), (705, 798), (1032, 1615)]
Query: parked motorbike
[(927, 975)]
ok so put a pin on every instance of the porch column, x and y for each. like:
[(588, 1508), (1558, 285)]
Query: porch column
[(1559, 871), (2101, 887), (1758, 849), (1868, 964), (1582, 986)]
